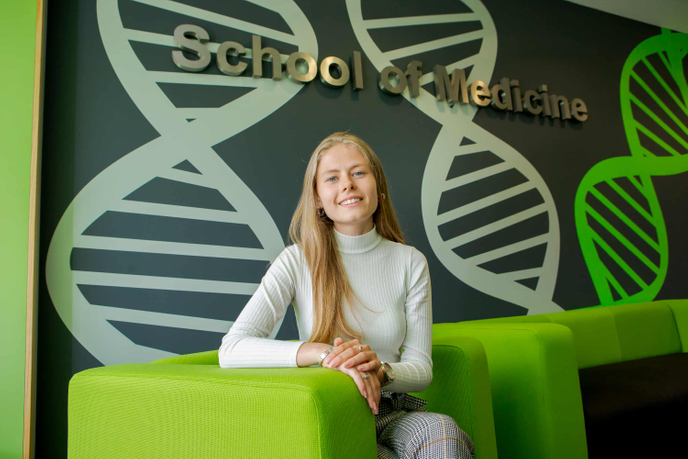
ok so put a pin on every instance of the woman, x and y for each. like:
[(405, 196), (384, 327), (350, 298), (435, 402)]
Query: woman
[(350, 275)]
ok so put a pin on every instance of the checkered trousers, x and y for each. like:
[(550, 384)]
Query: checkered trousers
[(406, 430)]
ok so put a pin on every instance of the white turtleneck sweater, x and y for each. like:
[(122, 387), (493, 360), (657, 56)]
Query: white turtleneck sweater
[(392, 281)]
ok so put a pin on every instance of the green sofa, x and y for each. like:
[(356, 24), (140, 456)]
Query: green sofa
[(534, 364), (188, 407)]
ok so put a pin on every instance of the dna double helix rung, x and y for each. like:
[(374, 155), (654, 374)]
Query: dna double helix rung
[(489, 217), (619, 219), (159, 252)]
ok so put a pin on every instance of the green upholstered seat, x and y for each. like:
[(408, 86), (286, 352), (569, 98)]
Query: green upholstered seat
[(534, 361), (188, 407)]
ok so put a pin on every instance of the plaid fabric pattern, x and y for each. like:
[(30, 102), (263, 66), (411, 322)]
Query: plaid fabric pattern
[(405, 430)]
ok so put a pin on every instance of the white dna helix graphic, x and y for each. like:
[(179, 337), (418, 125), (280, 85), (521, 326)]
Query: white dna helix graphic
[(85, 261), (486, 210)]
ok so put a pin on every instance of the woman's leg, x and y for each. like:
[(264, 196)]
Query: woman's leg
[(426, 435), (385, 453)]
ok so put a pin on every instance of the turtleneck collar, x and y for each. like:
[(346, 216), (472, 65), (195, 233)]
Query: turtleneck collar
[(358, 244)]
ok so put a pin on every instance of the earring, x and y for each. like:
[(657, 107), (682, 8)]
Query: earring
[(321, 212), (383, 196)]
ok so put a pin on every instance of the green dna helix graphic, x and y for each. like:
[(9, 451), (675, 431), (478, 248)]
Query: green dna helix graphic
[(618, 216)]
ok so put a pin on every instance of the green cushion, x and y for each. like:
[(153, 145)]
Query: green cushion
[(645, 330), (594, 335), (680, 310), (613, 334)]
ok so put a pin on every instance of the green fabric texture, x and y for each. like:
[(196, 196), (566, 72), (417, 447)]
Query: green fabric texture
[(188, 407), (533, 377)]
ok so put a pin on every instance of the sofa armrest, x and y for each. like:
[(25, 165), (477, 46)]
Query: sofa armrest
[(194, 411), (461, 389), (538, 410)]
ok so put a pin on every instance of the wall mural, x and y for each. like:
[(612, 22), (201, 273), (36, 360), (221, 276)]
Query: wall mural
[(447, 219), (167, 192), (80, 270), (618, 214)]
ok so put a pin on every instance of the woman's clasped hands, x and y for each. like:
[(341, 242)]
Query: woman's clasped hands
[(361, 364)]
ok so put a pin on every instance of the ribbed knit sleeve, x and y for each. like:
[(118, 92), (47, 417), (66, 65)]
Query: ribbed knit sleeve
[(414, 372), (247, 345)]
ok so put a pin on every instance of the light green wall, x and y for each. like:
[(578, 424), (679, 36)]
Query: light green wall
[(17, 34)]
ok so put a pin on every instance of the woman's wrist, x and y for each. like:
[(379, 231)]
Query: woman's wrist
[(309, 353)]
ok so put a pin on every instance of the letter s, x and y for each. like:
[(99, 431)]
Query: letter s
[(182, 38)]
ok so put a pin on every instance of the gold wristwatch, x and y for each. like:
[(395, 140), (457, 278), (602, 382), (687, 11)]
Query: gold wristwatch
[(388, 374)]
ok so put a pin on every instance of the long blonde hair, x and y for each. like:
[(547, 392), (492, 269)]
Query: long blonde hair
[(315, 234)]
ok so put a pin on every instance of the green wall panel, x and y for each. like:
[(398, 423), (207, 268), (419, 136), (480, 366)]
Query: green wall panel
[(17, 33)]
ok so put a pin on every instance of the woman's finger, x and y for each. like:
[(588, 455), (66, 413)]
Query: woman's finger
[(344, 356), (335, 358), (373, 391), (370, 365), (360, 359), (370, 392), (358, 379), (327, 361), (375, 383), (338, 350)]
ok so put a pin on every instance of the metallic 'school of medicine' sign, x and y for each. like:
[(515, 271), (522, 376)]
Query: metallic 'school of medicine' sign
[(302, 68)]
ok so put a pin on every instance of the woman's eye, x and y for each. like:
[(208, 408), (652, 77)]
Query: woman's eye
[(358, 173), (331, 179)]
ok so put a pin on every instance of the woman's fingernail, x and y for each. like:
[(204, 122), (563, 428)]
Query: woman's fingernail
[(361, 367)]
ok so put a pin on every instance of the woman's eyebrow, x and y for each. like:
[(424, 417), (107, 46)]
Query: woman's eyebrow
[(329, 171)]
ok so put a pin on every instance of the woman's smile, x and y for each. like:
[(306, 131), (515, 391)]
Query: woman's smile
[(351, 202)]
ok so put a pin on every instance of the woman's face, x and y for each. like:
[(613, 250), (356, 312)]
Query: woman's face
[(347, 190)]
